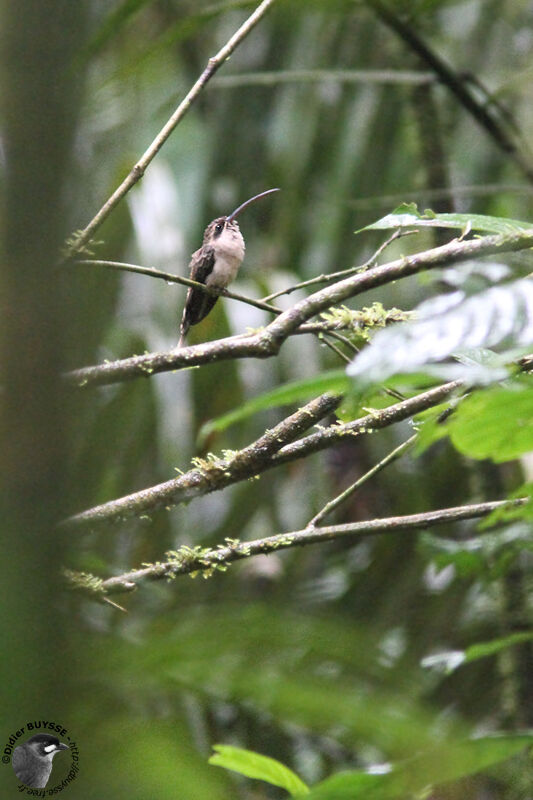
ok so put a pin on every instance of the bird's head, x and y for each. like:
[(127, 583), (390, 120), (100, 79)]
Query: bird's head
[(229, 225), (45, 746), (221, 228)]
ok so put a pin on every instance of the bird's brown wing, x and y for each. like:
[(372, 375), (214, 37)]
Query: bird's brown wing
[(198, 304)]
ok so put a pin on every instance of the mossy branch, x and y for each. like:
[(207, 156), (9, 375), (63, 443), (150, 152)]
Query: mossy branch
[(275, 447), (206, 561)]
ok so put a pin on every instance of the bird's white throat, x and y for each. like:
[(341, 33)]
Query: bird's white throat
[(229, 253)]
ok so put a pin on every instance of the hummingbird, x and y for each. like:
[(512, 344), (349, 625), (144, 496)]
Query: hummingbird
[(215, 264)]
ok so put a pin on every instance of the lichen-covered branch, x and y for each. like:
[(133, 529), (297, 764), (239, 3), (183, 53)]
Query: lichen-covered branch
[(275, 447), (193, 560)]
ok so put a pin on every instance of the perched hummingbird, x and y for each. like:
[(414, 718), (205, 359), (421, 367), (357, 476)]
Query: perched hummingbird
[(215, 264)]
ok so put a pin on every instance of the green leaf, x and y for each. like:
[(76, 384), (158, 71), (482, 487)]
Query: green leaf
[(351, 786), (416, 775), (496, 423), (512, 513), (484, 649), (407, 215), (333, 381), (254, 765), (448, 325), (429, 427), (451, 660)]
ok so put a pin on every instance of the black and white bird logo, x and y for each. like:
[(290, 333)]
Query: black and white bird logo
[(32, 761)]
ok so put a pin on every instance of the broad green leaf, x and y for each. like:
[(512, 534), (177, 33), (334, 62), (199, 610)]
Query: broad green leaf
[(416, 775), (451, 324), (333, 381), (254, 765), (496, 424), (407, 215)]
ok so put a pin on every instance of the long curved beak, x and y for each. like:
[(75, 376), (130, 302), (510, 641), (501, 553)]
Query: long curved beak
[(247, 203)]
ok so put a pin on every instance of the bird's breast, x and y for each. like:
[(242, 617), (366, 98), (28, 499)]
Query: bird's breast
[(229, 253)]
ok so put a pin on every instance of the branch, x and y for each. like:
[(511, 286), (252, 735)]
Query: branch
[(170, 278), (376, 420), (140, 167), (340, 498), (455, 83), (345, 273), (267, 452), (415, 77), (188, 560), (267, 342), (325, 339)]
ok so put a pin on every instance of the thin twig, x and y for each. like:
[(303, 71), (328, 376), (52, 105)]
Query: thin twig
[(170, 278), (214, 63), (331, 327), (323, 338), (337, 501), (336, 335), (333, 347), (322, 75), (193, 560), (330, 331), (393, 393), (345, 273)]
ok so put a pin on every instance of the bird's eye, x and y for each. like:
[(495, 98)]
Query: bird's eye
[(219, 227)]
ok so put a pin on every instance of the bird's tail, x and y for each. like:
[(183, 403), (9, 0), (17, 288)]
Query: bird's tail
[(184, 328)]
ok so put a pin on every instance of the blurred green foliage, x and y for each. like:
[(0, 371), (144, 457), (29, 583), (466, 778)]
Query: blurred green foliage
[(312, 657)]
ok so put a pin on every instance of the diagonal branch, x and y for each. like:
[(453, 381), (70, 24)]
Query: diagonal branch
[(271, 450), (350, 490), (267, 342), (140, 167), (191, 560), (456, 84), (345, 273), (169, 277)]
